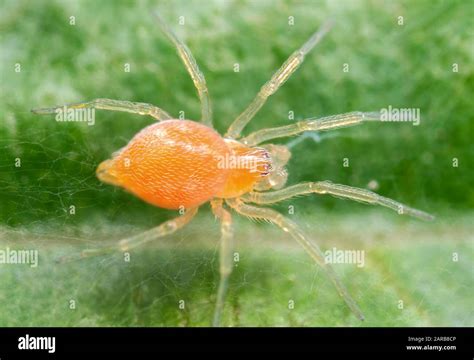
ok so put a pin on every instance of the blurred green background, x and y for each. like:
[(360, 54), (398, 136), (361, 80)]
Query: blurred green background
[(409, 65)]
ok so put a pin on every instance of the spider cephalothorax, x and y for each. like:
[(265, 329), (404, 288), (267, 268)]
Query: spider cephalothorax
[(181, 164)]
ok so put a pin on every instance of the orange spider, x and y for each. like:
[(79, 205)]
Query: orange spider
[(182, 164)]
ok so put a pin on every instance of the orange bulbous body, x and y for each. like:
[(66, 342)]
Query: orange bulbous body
[(181, 163), (171, 164)]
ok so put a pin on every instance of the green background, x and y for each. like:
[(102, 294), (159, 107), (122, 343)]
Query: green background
[(409, 65)]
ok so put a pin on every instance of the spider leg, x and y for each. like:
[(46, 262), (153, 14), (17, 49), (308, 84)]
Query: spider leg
[(341, 191), (225, 255), (277, 80), (193, 69), (321, 124), (310, 246), (166, 228), (113, 105)]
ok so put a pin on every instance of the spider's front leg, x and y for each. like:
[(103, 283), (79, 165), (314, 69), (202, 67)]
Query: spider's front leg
[(310, 246), (341, 191), (277, 80), (166, 228), (112, 105), (225, 255), (321, 124)]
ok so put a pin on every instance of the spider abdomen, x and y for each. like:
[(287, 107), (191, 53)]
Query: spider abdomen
[(170, 164)]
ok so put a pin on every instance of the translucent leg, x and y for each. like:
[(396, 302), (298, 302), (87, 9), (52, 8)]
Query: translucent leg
[(168, 227), (310, 246), (225, 254), (113, 105), (341, 191), (193, 69), (277, 80), (325, 123)]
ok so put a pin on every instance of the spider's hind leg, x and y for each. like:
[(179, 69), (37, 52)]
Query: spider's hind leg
[(166, 228), (112, 105)]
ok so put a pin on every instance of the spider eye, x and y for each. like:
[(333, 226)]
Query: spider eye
[(268, 168)]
